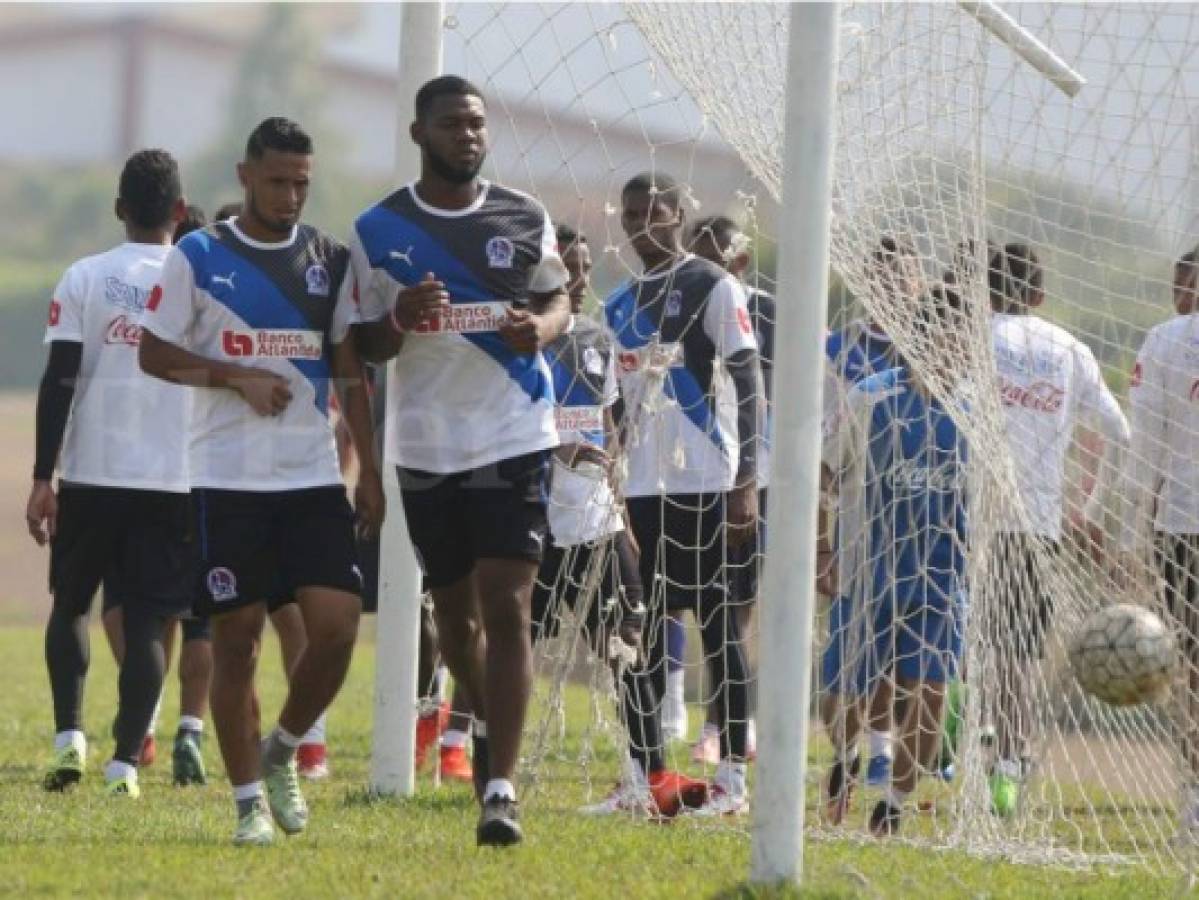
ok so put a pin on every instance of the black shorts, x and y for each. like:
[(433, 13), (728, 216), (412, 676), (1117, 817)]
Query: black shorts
[(745, 562), (683, 549), (1178, 561), (493, 512), (194, 627), (567, 571), (1019, 615), (263, 546), (139, 544)]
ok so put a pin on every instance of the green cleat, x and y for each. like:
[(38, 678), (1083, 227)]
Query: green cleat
[(254, 829), (1005, 795), (65, 769), (284, 798), (124, 787), (187, 763)]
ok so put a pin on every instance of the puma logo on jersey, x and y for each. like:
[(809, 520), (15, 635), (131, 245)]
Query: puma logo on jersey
[(226, 280), (405, 257)]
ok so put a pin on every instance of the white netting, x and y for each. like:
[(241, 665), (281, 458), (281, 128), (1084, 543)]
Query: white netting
[(947, 141)]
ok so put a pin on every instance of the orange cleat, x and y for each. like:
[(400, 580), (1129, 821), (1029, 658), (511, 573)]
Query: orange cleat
[(312, 761), (149, 752), (455, 765), (427, 733), (673, 792)]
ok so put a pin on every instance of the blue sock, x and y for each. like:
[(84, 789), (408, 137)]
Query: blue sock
[(676, 644)]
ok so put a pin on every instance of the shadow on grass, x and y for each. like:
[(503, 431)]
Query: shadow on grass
[(747, 891)]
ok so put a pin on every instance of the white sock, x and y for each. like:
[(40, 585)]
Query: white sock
[(480, 729), (676, 683), (247, 791), (896, 797), (454, 737), (751, 733), (880, 743), (499, 787), (636, 775), (71, 738), (316, 734), (286, 738), (440, 677), (154, 716), (191, 723), (730, 776), (116, 770)]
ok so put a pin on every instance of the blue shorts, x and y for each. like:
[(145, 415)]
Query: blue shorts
[(839, 650)]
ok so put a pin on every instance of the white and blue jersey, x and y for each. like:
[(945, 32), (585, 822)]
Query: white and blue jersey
[(672, 331), (279, 306), (903, 464), (459, 398)]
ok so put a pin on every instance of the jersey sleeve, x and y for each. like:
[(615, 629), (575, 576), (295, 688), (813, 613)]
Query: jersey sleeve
[(550, 272), (726, 319), (65, 319), (173, 302), (347, 312), (376, 291)]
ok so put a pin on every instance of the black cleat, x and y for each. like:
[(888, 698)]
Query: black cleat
[(839, 789), (498, 825), (884, 821)]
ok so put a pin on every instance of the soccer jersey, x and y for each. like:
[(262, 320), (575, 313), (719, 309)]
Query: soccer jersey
[(1163, 464), (761, 315), (673, 329), (126, 429), (1048, 381), (458, 397), (280, 307), (903, 462)]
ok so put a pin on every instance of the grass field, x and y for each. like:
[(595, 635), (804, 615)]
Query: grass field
[(175, 842)]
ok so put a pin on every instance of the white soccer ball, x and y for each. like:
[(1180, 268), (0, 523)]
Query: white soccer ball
[(1124, 655)]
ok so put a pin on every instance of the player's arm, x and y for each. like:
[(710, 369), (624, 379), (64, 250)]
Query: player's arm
[(353, 395), (1145, 464), (1106, 413), (547, 315)]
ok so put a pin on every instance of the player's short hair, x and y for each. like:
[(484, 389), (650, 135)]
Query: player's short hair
[(149, 188), (721, 228), (1187, 267), (567, 235), (227, 211), (443, 86), (1013, 273), (193, 220), (893, 248), (279, 134), (664, 187)]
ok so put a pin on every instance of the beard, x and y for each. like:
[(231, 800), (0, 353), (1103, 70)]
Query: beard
[(279, 226), (450, 172)]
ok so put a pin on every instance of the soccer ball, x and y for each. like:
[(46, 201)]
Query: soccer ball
[(1124, 655)]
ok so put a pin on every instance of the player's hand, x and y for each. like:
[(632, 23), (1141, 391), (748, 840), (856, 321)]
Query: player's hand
[(742, 513), (525, 332), (583, 451), (827, 582), (267, 393), (41, 512), (369, 505), (421, 302)]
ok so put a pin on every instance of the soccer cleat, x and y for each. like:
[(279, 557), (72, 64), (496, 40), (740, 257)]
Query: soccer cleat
[(125, 786), (455, 764), (284, 798), (625, 799), (65, 769), (838, 789), (723, 802), (884, 820), (149, 752), (1005, 794), (878, 771), (427, 731), (187, 763), (707, 749), (254, 829), (498, 825), (312, 761), (947, 772), (673, 792)]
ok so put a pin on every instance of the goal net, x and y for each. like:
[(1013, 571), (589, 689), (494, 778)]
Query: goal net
[(949, 146)]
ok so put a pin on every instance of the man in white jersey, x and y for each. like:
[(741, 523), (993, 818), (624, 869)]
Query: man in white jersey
[(1049, 382), (121, 513), (467, 286), (1163, 495), (256, 314), (691, 383)]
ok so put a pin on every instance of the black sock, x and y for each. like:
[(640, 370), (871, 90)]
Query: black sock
[(480, 764), (639, 708), (67, 657), (140, 682)]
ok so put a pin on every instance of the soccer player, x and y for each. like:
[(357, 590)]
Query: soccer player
[(1163, 495), (902, 463), (467, 286), (857, 351), (120, 515), (692, 391), (256, 314), (589, 545), (1049, 382), (719, 240)]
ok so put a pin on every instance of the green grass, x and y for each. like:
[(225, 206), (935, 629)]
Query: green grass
[(176, 842)]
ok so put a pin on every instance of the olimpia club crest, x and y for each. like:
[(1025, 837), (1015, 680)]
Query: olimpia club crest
[(500, 253), (317, 278)]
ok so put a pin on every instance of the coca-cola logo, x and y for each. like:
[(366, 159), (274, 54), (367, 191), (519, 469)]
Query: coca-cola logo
[(1040, 396), (122, 330)]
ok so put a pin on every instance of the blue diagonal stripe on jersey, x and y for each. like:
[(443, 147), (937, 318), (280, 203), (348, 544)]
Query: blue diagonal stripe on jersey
[(255, 299), (631, 325), (381, 231)]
